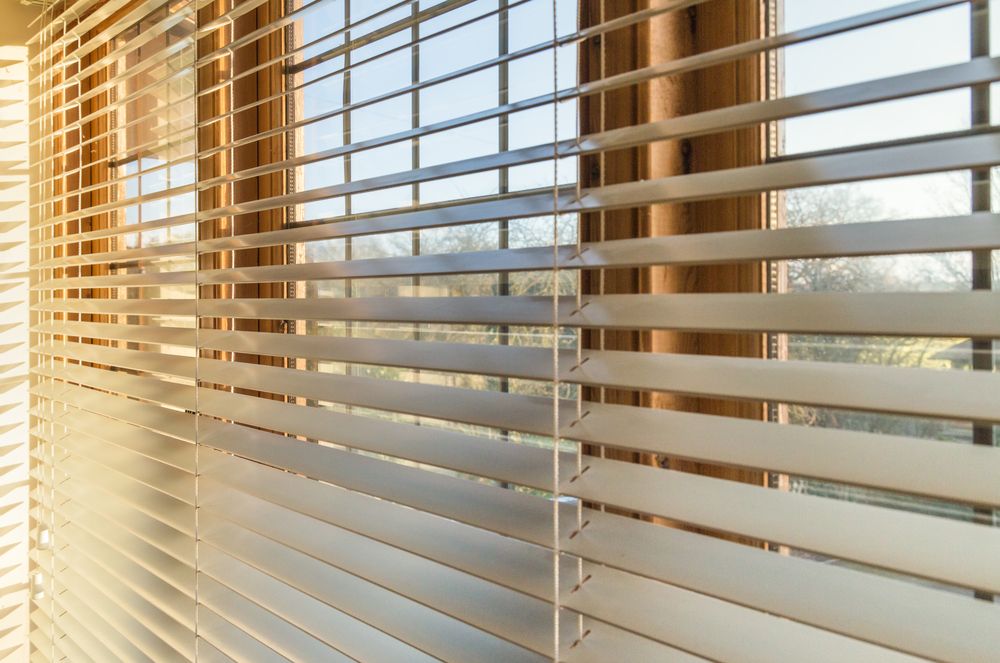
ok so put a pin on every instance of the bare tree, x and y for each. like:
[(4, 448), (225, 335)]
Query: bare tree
[(840, 205)]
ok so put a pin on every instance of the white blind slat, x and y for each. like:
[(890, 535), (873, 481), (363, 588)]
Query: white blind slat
[(475, 331)]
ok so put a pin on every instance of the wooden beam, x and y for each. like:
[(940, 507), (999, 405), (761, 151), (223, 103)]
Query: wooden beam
[(669, 36), (245, 91)]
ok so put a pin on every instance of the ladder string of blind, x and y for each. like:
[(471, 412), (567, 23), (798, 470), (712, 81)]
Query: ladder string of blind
[(373, 416)]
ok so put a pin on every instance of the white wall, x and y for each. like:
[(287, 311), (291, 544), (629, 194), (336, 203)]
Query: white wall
[(13, 354)]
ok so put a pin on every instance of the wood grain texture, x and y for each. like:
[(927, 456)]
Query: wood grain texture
[(666, 37), (245, 92)]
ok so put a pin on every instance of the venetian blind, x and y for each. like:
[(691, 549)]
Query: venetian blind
[(390, 331), (113, 441)]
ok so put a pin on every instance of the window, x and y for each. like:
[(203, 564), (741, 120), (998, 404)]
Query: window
[(943, 195), (514, 330)]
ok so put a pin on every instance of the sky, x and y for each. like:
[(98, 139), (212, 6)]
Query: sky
[(920, 42)]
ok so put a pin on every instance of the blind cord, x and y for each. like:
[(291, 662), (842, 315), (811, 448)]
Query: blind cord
[(556, 491)]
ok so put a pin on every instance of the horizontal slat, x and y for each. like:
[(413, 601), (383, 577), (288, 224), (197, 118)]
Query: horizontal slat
[(162, 448), (899, 614), (890, 314), (160, 250), (185, 307), (158, 621), (80, 497), (159, 593), (954, 394), (339, 630), (951, 394), (977, 231), (781, 40), (919, 157), (176, 573), (121, 280), (208, 653), (429, 216), (278, 635), (118, 205), (758, 633), (505, 614), (860, 164), (954, 233), (961, 472), (87, 235), (49, 43), (617, 81), (85, 599), (939, 234), (905, 314), (975, 71), (158, 476), (267, 549), (163, 420), (978, 71), (408, 620), (103, 330), (910, 543), (156, 362), (155, 504), (232, 641), (87, 630), (145, 387)]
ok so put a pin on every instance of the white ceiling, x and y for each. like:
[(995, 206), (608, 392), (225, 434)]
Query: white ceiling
[(14, 20)]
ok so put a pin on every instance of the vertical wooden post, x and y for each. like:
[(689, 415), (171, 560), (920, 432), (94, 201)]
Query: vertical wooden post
[(669, 36), (93, 164), (245, 92), (259, 117)]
